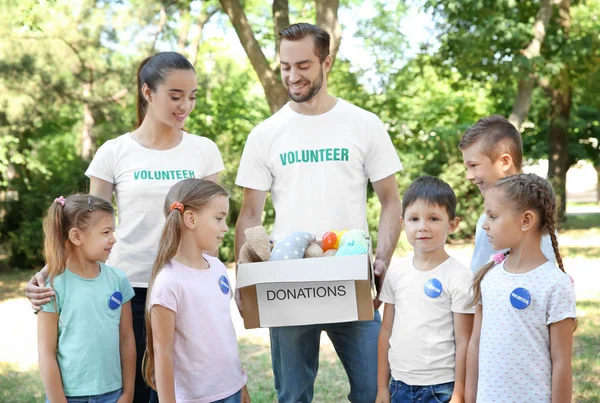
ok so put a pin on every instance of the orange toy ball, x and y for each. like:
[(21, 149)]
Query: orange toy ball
[(329, 240)]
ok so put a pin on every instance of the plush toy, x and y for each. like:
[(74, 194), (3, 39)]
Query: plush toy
[(351, 249), (257, 247), (292, 246), (353, 242), (313, 250), (357, 235)]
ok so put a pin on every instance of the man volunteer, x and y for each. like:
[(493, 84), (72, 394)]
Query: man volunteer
[(316, 156)]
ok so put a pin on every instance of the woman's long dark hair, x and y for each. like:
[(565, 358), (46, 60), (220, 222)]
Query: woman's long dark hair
[(152, 72)]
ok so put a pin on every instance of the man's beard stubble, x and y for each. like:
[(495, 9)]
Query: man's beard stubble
[(312, 91)]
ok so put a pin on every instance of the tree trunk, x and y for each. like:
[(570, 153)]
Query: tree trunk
[(525, 85), (203, 18), (87, 139), (597, 183), (327, 18), (281, 20), (558, 161), (161, 25), (184, 29), (275, 93)]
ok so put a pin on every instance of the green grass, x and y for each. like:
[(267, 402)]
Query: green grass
[(12, 283), (586, 252), (581, 204), (586, 353), (256, 360), (20, 386), (24, 386), (331, 384), (581, 221)]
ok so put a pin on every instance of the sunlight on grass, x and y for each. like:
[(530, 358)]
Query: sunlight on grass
[(582, 221), (20, 386), (580, 239), (331, 384), (12, 283), (586, 353)]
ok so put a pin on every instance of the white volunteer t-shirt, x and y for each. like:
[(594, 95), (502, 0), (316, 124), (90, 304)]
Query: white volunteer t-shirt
[(514, 348), (142, 177), (317, 167), (483, 251), (422, 344)]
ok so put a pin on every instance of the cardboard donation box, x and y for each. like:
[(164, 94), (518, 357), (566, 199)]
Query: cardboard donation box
[(306, 291)]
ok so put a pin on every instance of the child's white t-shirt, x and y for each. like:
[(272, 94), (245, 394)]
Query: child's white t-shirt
[(142, 178), (483, 251), (317, 166), (422, 345), (514, 348), (206, 360)]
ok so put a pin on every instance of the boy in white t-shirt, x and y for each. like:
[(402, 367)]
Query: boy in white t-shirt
[(492, 149), (426, 322)]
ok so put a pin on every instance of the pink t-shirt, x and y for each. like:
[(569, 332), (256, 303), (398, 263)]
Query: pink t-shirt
[(205, 354)]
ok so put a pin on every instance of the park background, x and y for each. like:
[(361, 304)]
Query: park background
[(427, 68)]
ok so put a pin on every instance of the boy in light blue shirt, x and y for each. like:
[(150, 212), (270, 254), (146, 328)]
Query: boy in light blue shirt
[(492, 148)]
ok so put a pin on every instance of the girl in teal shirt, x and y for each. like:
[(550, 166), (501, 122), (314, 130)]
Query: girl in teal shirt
[(86, 345)]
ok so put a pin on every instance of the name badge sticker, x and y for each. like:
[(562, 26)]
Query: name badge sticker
[(433, 288), (520, 298), (224, 284), (115, 300)]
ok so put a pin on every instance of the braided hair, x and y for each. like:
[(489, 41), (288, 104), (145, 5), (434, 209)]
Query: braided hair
[(532, 192), (526, 192)]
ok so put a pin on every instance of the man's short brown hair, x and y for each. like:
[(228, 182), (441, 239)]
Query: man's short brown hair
[(297, 32), (497, 136)]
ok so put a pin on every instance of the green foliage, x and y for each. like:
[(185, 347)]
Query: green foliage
[(51, 168), (484, 40), (231, 107), (45, 66), (426, 113), (50, 50)]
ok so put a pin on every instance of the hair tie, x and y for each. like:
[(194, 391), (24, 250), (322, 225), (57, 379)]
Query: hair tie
[(60, 200), (499, 257), (178, 206)]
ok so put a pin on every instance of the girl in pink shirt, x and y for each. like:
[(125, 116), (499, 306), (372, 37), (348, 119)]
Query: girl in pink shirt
[(191, 350)]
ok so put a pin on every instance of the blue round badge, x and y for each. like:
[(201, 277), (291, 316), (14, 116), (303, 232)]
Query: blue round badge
[(433, 288), (520, 298), (115, 300), (224, 284)]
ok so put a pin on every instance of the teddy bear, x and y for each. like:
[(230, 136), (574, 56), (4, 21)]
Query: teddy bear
[(257, 247)]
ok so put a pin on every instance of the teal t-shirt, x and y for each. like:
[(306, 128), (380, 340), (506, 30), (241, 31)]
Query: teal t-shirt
[(88, 330)]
